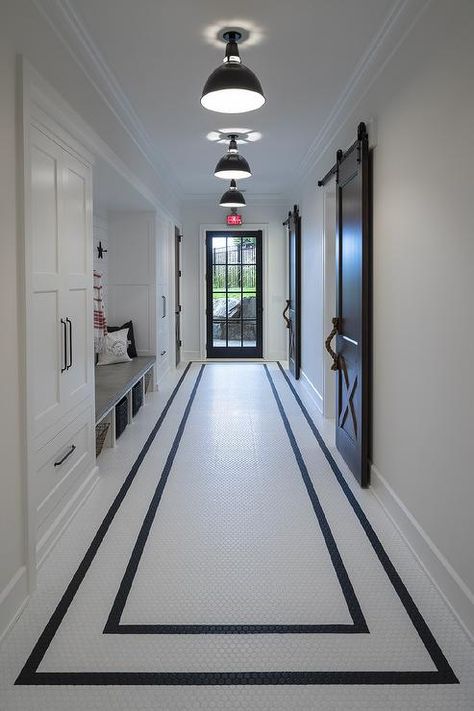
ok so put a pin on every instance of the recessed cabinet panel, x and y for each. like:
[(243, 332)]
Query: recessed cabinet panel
[(74, 257), (44, 211), (46, 335), (77, 378)]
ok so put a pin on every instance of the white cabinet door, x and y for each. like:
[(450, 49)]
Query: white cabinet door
[(60, 286), (45, 331), (163, 319), (76, 277)]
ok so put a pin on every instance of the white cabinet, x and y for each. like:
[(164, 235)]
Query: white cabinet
[(59, 326), (60, 323)]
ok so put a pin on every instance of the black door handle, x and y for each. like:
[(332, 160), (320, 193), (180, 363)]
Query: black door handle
[(68, 320), (287, 320), (327, 343), (68, 454), (63, 328)]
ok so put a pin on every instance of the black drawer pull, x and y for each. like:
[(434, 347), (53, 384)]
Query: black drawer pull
[(68, 454)]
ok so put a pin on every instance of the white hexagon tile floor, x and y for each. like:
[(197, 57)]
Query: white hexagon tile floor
[(227, 561)]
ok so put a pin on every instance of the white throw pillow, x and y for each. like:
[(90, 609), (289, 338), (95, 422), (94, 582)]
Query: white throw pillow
[(115, 348)]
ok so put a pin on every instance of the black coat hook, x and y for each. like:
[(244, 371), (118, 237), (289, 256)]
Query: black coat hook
[(101, 251)]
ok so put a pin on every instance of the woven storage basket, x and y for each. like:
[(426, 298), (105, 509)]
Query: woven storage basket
[(100, 435), (137, 397), (148, 380), (121, 416)]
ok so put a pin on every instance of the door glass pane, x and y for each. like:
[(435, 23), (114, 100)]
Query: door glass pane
[(249, 278), (235, 334), (233, 250), (249, 334), (249, 305), (234, 279), (219, 334), (218, 277), (249, 250), (234, 307), (219, 305), (219, 250)]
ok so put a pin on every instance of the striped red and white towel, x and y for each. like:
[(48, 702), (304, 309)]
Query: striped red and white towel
[(100, 324)]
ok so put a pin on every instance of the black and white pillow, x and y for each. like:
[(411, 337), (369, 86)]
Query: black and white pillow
[(132, 350), (115, 348)]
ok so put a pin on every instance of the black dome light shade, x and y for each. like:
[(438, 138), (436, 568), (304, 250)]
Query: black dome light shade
[(232, 165), (232, 88), (232, 197)]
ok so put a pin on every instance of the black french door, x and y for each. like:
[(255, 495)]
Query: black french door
[(234, 294)]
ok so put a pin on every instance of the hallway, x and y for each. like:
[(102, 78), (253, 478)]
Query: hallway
[(233, 566)]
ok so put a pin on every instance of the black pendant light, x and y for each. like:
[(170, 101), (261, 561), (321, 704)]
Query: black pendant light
[(232, 197), (232, 165), (232, 88)]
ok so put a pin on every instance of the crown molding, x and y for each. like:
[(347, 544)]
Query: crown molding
[(397, 25), (77, 40), (252, 199)]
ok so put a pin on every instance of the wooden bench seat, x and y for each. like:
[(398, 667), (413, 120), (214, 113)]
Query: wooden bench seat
[(113, 382)]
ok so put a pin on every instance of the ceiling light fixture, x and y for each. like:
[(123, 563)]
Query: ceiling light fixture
[(232, 88), (232, 165), (232, 197)]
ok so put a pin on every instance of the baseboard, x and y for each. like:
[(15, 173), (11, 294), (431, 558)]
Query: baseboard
[(277, 355), (13, 599), (161, 370), (161, 373), (453, 589), (55, 531), (187, 356), (312, 391)]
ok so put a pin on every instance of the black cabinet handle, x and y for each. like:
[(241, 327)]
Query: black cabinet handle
[(163, 314), (68, 454), (63, 324), (68, 321)]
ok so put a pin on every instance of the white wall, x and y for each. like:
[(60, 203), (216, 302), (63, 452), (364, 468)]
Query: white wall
[(423, 389), (196, 214), (101, 266), (24, 31), (132, 276)]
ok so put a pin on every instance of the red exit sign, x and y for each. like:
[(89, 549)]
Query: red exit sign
[(234, 219)]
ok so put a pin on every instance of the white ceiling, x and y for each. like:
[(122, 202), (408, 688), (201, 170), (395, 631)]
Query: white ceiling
[(162, 51)]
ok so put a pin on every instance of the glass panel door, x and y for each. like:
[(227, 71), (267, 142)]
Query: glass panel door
[(234, 294)]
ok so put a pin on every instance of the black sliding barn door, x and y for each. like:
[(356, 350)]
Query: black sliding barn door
[(353, 306), (292, 312)]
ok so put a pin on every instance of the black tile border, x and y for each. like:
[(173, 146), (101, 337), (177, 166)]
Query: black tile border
[(444, 670), (113, 624), (443, 674)]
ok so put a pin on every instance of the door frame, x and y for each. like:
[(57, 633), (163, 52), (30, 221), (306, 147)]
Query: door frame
[(329, 293), (253, 227), (178, 348)]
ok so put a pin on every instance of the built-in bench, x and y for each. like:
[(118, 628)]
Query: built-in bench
[(113, 382)]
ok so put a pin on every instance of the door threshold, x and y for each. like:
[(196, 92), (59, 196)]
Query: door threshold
[(235, 360)]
